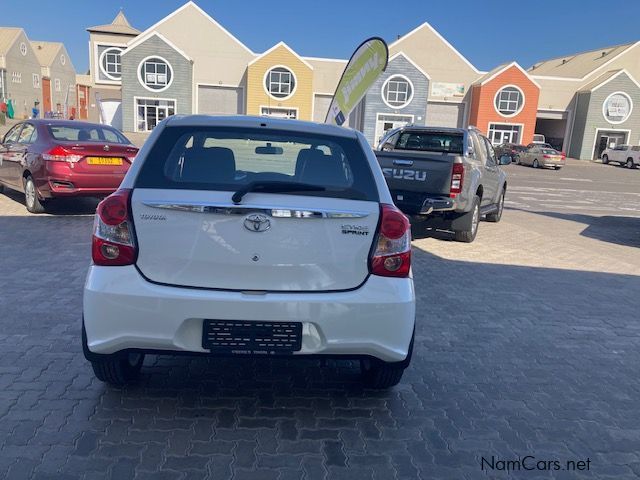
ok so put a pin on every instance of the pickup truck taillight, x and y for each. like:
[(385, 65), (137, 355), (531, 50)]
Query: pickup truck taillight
[(392, 254), (457, 177), (113, 242)]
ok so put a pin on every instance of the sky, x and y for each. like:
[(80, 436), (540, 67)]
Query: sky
[(487, 32)]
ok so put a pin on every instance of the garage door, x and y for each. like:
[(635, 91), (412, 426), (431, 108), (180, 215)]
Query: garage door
[(321, 105), (220, 100), (445, 114)]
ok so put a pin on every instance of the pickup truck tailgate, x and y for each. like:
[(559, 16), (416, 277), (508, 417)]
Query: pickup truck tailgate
[(427, 173)]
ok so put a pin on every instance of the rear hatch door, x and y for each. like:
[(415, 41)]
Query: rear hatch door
[(190, 232)]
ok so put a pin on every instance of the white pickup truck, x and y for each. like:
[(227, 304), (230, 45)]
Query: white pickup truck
[(627, 155)]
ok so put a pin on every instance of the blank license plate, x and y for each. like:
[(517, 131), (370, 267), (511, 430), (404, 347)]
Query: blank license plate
[(256, 338), (104, 161)]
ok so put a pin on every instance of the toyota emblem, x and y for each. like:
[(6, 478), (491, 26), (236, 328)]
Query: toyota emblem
[(106, 148), (256, 222)]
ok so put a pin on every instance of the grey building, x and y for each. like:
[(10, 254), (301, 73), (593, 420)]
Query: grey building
[(157, 79), (607, 113), (20, 72), (397, 98), (106, 44), (58, 79)]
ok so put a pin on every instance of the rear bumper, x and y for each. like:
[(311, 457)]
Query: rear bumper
[(62, 181), (553, 163), (123, 311), (437, 204), (415, 203)]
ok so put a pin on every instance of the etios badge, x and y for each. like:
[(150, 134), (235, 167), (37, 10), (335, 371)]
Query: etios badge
[(256, 222)]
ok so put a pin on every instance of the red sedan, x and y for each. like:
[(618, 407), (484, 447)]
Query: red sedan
[(47, 159)]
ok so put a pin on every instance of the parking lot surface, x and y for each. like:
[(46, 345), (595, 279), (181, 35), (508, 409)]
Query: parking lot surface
[(527, 345)]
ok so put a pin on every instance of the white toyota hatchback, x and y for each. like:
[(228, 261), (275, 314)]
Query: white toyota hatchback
[(254, 236)]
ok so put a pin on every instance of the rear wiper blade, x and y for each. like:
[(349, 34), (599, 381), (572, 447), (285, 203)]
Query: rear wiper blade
[(274, 187)]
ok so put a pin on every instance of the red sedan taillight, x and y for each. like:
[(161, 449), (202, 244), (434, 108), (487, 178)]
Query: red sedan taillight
[(392, 254), (457, 177), (61, 154), (113, 241)]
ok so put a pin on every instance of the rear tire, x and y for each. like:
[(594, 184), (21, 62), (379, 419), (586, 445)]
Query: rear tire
[(379, 375), (605, 159), (497, 215), (536, 164), (558, 168), (31, 200), (471, 220), (119, 370), (629, 163)]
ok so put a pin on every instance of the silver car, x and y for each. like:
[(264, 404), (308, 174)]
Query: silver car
[(538, 156)]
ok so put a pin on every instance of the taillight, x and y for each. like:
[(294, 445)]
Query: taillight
[(392, 254), (61, 154), (457, 177), (546, 156), (564, 155), (113, 235)]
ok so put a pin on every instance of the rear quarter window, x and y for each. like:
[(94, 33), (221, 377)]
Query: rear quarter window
[(226, 159)]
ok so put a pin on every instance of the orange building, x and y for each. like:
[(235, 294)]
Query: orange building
[(504, 105)]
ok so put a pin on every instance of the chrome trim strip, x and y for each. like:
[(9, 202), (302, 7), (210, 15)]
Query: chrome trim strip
[(274, 212)]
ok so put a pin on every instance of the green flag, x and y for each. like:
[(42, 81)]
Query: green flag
[(10, 112), (365, 66)]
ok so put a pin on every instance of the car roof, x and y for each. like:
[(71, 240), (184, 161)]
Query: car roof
[(66, 123), (250, 121), (419, 128)]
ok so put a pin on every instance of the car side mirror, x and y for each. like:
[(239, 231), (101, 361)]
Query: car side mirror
[(505, 160)]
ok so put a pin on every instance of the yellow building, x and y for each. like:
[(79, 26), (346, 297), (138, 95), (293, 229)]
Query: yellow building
[(280, 83)]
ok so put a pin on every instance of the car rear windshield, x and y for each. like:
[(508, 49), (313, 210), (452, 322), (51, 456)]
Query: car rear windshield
[(547, 151), (228, 158), (86, 133), (431, 141)]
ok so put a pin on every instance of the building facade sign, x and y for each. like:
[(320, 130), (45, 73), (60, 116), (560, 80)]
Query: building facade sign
[(445, 89), (617, 107)]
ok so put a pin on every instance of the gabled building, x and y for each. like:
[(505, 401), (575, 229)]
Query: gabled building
[(572, 85), (106, 45), (451, 74), (58, 79), (504, 104), (397, 98), (280, 84), (20, 71)]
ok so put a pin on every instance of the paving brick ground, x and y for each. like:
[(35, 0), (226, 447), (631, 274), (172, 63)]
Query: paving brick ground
[(528, 343)]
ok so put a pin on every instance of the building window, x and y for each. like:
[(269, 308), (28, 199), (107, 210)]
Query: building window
[(110, 63), (56, 85), (155, 73), (16, 77), (397, 91), (280, 82), (500, 133), (617, 108), (23, 49), (36, 80), (63, 59), (509, 101), (290, 113), (151, 111)]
